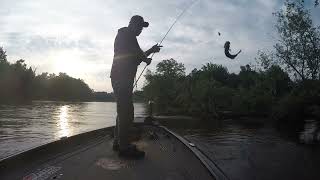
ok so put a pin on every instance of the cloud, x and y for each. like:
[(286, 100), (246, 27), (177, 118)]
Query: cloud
[(56, 35)]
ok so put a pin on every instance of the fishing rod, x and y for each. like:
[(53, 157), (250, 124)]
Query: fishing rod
[(165, 37)]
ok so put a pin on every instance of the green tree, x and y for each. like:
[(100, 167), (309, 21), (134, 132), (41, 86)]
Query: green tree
[(170, 68), (215, 72), (298, 47), (4, 65), (15, 80), (3, 55), (247, 76), (19, 83), (64, 87), (278, 81), (165, 85)]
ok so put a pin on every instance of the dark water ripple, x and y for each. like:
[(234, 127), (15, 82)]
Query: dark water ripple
[(258, 152), (244, 151)]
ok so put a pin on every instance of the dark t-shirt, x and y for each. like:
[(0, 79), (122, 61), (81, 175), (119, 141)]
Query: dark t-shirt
[(127, 55)]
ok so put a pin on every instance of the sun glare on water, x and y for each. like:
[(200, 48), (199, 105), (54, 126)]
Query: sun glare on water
[(63, 122)]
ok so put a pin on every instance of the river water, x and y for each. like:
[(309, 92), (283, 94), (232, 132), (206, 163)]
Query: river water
[(27, 126), (242, 149)]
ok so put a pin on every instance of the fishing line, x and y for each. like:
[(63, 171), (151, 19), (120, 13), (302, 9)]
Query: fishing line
[(188, 7)]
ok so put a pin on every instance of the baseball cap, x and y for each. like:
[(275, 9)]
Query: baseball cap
[(136, 19)]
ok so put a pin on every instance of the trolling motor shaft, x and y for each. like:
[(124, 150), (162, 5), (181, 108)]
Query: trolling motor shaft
[(150, 118)]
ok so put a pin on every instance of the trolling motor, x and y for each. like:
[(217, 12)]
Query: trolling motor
[(149, 118)]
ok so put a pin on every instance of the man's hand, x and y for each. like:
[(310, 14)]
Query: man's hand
[(156, 48), (148, 60)]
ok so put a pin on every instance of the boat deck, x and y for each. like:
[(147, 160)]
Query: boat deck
[(90, 157)]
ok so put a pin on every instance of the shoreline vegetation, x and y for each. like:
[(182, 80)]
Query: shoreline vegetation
[(20, 84), (283, 85)]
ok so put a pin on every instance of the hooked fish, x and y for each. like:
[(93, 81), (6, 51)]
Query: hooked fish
[(227, 51)]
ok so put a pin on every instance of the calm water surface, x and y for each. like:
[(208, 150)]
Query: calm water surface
[(241, 149), (249, 150), (26, 126)]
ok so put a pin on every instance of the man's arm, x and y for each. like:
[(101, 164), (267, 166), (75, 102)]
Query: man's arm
[(148, 52)]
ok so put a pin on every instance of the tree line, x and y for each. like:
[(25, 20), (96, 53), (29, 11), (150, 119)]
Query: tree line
[(19, 83), (284, 84)]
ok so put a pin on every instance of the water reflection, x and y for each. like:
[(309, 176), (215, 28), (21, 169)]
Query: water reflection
[(310, 133), (242, 149), (63, 122), (27, 126)]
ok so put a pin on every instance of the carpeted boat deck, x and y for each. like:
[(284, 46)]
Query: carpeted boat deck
[(90, 157)]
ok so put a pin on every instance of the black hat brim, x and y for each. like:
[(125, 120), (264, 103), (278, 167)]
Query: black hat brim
[(145, 24)]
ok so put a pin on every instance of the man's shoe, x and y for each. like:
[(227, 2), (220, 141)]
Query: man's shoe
[(131, 152), (116, 146)]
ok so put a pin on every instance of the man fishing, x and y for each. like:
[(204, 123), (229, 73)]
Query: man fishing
[(127, 56)]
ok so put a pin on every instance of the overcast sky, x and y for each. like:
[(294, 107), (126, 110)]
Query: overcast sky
[(76, 36)]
